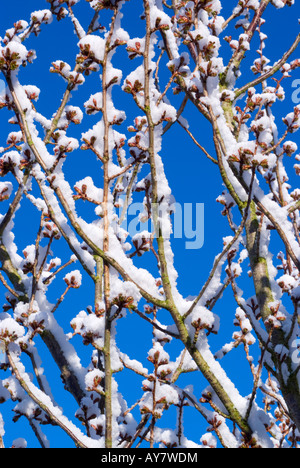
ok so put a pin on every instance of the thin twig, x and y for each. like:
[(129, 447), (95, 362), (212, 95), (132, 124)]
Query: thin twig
[(272, 71), (50, 278), (196, 142), (6, 285), (154, 324)]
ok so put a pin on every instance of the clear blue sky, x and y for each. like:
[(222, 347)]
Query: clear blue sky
[(201, 185)]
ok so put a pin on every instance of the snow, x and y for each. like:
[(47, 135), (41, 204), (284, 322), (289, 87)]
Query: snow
[(93, 380), (279, 3), (42, 16), (54, 410), (66, 144), (87, 187), (94, 104), (33, 92), (61, 66), (94, 44), (209, 441), (157, 397), (89, 326), (78, 28), (19, 443), (2, 431), (159, 18), (203, 317), (82, 254), (241, 317), (74, 113), (74, 278), (137, 366), (230, 389), (290, 147), (17, 49), (6, 189), (10, 330)]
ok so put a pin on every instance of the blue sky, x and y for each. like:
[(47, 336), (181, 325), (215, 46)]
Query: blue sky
[(201, 184)]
